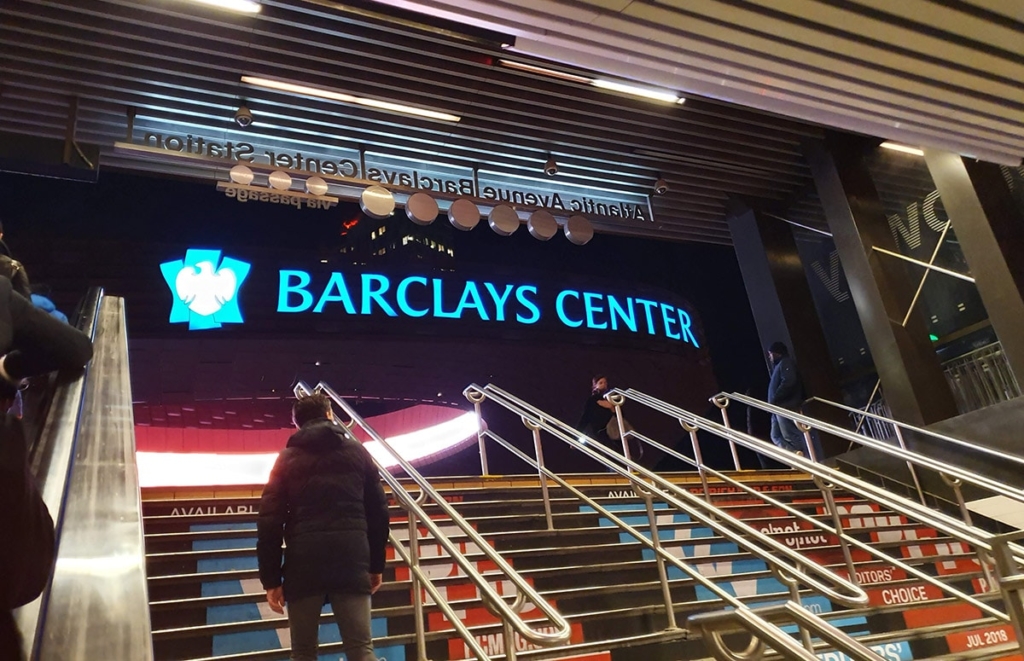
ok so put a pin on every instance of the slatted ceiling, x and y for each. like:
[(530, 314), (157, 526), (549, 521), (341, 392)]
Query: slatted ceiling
[(834, 68), (179, 62), (828, 38), (1009, 10), (976, 30)]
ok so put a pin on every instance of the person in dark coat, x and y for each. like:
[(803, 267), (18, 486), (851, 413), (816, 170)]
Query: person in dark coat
[(597, 412), (31, 343), (596, 420), (785, 390), (324, 500)]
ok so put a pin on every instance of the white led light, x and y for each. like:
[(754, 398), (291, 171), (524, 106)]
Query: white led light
[(247, 6), (550, 73), (644, 92), (197, 469), (332, 95), (423, 443), (895, 146)]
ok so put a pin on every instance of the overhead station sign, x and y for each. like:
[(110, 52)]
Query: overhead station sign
[(596, 199), (205, 288)]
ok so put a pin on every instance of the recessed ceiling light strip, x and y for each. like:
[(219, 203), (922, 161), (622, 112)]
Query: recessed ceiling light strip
[(642, 92), (245, 6), (634, 90), (305, 90), (895, 146), (543, 71)]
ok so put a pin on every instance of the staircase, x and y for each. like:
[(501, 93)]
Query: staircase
[(206, 600)]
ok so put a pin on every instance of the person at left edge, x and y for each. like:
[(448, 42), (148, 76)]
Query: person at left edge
[(324, 500), (31, 343)]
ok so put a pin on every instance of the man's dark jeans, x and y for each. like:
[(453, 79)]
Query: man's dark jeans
[(351, 612)]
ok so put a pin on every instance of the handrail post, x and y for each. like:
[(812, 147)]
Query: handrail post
[(510, 642), (666, 592), (965, 514), (794, 596), (1011, 582), (692, 430), (541, 473), (476, 399), (808, 441), (722, 402), (616, 401), (417, 594), (910, 465), (837, 523)]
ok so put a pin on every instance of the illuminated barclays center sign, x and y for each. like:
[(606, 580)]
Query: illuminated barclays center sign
[(417, 296), (205, 288)]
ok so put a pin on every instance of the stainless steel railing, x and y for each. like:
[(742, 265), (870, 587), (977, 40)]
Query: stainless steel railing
[(988, 546), (790, 567), (877, 424), (981, 378), (954, 476), (977, 379), (558, 631)]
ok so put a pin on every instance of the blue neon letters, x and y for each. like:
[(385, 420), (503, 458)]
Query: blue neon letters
[(419, 296)]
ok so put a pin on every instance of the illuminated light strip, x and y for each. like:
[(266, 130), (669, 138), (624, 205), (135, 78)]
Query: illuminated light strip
[(895, 146), (644, 92), (551, 73), (198, 469), (247, 6), (341, 97), (635, 90), (424, 443)]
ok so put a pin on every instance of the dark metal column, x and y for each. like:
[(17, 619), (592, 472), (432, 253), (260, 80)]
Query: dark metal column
[(781, 301), (915, 387), (990, 228)]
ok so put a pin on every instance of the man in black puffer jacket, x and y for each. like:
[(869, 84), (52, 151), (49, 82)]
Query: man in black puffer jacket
[(324, 499)]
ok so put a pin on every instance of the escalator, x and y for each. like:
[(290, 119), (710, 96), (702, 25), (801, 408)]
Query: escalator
[(83, 459)]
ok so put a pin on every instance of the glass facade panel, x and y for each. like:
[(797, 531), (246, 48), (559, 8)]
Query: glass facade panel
[(951, 307)]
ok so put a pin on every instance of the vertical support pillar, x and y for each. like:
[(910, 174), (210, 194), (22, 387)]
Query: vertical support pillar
[(990, 228), (912, 379), (784, 310)]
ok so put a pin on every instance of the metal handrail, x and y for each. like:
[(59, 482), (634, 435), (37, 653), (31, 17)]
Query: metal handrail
[(939, 520), (525, 593), (684, 500), (52, 458), (834, 529), (949, 471), (995, 454), (701, 510), (988, 544)]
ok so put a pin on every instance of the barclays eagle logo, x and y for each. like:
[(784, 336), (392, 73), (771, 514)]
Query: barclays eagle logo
[(205, 288)]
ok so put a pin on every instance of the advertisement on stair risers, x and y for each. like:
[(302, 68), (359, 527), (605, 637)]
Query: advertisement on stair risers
[(888, 587), (258, 640)]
